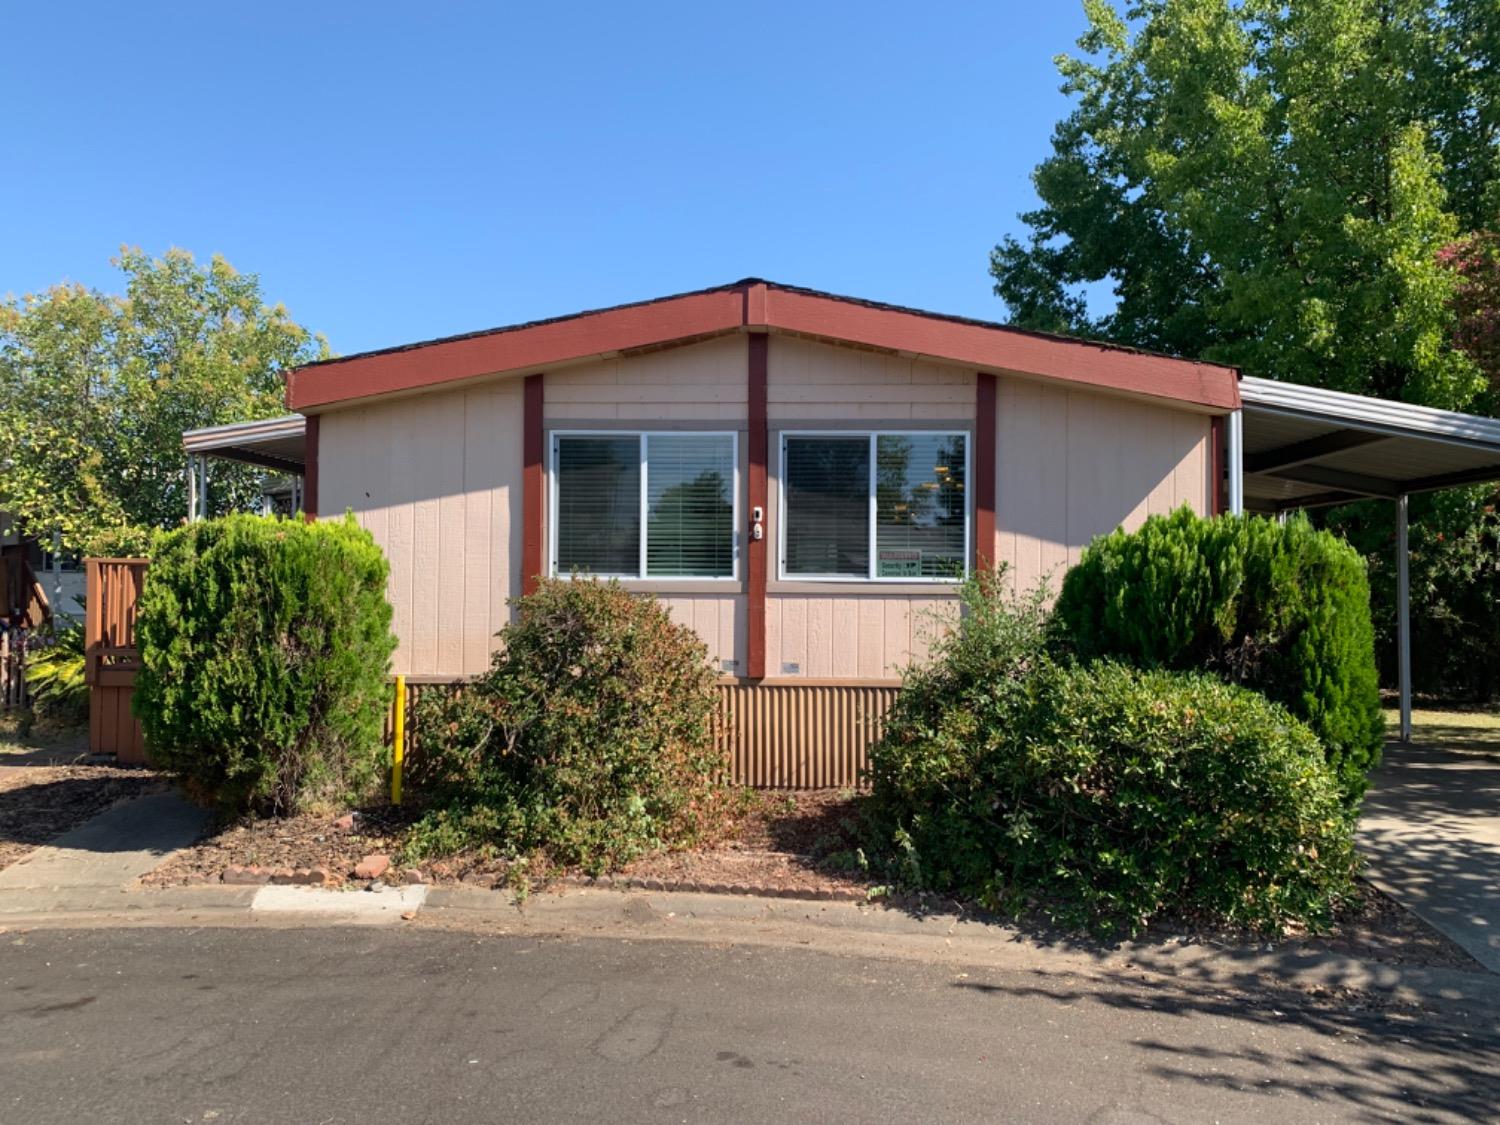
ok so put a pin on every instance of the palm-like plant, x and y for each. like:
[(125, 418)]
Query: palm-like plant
[(54, 674)]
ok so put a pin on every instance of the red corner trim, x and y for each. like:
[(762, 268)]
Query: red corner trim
[(756, 551), (532, 442), (310, 469), (985, 425)]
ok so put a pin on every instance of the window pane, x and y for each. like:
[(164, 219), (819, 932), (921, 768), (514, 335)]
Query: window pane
[(919, 506), (828, 506), (690, 493), (599, 505)]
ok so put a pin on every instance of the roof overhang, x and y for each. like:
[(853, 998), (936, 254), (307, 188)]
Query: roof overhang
[(279, 444), (1307, 447), (760, 306)]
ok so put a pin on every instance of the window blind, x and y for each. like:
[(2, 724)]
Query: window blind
[(827, 486), (690, 506), (599, 504)]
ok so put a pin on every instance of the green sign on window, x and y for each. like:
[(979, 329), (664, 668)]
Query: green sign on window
[(899, 564)]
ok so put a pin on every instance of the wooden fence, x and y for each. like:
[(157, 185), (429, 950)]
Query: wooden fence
[(13, 693), (813, 735), (111, 658)]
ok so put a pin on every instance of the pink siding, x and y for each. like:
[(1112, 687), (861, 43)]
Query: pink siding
[(1072, 465)]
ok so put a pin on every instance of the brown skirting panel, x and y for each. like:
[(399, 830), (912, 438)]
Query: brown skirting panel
[(778, 736), (802, 736)]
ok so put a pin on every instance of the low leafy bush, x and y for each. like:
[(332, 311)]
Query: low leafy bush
[(1281, 608), (54, 676), (590, 740), (264, 648), (1105, 793)]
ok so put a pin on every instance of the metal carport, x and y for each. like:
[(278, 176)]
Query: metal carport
[(1291, 446), (279, 444)]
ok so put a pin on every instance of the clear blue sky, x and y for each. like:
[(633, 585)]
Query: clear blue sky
[(400, 171)]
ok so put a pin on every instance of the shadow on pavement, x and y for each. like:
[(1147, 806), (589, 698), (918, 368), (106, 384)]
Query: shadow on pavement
[(1403, 1067)]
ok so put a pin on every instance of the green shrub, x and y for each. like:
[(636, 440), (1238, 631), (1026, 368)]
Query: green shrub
[(264, 648), (54, 676), (591, 739), (1281, 608), (1105, 793)]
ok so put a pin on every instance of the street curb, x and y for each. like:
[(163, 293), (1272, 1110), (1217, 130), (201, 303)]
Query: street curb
[(830, 927), (878, 930)]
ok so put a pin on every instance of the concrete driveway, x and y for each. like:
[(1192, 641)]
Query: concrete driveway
[(1431, 835)]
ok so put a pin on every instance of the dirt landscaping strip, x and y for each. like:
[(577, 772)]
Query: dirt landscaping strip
[(793, 845)]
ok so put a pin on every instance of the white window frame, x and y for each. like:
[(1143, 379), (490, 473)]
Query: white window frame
[(871, 576), (643, 438)]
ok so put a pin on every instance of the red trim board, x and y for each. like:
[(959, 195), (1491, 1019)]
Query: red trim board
[(759, 497), (985, 427)]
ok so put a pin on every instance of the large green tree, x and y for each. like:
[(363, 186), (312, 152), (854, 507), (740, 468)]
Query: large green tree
[(96, 390), (1269, 185)]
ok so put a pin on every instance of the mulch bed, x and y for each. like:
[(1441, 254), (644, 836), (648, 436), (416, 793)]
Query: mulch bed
[(797, 844), (39, 802), (306, 841)]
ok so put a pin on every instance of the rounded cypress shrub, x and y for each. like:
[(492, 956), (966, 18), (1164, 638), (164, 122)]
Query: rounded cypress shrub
[(591, 739), (1281, 608), (1106, 794), (265, 645)]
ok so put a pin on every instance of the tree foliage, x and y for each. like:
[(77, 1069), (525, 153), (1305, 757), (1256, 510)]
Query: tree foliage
[(1269, 185), (96, 390), (1475, 259)]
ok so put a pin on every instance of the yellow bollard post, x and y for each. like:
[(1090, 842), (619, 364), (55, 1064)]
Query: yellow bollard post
[(398, 740)]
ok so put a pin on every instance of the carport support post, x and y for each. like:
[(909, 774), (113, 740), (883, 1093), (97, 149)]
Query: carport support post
[(192, 487), (1403, 617), (1236, 466)]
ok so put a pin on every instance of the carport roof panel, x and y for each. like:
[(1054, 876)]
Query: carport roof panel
[(1319, 446), (1338, 410), (271, 443)]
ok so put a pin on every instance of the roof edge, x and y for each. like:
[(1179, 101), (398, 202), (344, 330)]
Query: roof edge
[(754, 302)]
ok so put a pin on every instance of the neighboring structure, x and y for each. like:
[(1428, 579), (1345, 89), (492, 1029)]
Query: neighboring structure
[(800, 477)]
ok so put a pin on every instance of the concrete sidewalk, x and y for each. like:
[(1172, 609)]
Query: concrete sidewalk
[(1430, 834), (99, 860)]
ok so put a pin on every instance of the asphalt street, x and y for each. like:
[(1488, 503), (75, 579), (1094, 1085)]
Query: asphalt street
[(336, 1025)]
